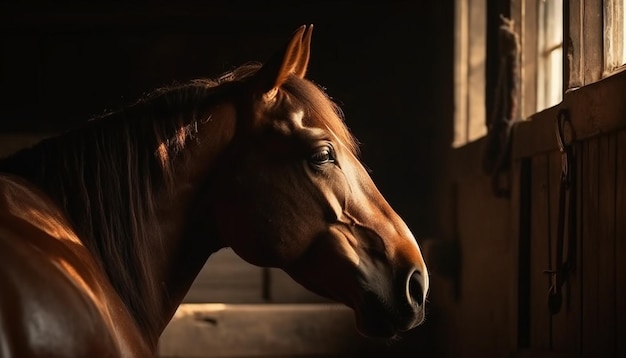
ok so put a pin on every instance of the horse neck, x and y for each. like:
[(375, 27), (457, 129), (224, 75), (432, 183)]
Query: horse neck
[(188, 229), (140, 232)]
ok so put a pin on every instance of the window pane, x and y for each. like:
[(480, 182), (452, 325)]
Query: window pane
[(469, 71), (615, 35), (550, 54)]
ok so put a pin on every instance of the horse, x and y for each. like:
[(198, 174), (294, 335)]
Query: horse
[(104, 227)]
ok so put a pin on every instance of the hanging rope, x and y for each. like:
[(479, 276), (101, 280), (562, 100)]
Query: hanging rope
[(503, 115)]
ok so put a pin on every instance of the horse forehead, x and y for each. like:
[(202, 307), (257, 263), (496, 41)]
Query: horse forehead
[(293, 122), (289, 121)]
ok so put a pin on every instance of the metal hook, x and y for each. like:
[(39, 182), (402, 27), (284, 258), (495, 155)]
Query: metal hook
[(562, 120), (566, 206)]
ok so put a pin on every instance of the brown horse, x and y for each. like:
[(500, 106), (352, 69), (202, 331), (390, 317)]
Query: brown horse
[(104, 228)]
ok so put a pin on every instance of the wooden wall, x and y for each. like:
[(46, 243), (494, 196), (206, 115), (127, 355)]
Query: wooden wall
[(590, 322), (496, 303), (471, 262)]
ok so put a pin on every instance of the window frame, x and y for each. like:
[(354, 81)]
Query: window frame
[(470, 64), (590, 27), (585, 78)]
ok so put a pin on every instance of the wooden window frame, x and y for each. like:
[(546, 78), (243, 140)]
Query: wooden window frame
[(586, 25), (587, 77), (470, 63)]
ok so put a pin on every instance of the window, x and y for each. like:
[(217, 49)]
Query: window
[(596, 49), (615, 36), (469, 71), (549, 53), (541, 62)]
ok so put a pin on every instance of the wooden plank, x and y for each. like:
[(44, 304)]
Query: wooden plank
[(485, 271), (573, 29), (558, 321), (620, 244), (595, 109), (592, 40), (524, 227), (574, 285), (614, 37), (539, 254), (519, 210), (606, 246), (589, 266)]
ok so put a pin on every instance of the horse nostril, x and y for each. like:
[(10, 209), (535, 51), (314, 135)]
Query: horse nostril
[(415, 288)]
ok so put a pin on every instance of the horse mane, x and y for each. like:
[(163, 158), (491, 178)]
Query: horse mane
[(106, 174)]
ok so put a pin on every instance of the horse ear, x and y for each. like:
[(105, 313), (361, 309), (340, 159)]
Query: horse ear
[(293, 59)]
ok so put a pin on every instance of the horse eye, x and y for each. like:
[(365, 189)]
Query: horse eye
[(322, 155)]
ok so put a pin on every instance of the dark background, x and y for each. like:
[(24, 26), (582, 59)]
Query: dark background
[(388, 64)]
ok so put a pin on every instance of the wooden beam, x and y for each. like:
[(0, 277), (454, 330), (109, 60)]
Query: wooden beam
[(594, 109)]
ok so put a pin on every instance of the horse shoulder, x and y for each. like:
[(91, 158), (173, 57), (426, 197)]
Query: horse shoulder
[(54, 298)]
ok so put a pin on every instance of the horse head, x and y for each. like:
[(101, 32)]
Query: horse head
[(290, 192)]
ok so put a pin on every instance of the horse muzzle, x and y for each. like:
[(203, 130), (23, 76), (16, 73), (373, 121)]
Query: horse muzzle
[(385, 313)]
